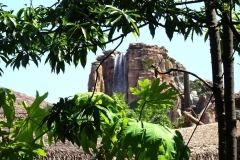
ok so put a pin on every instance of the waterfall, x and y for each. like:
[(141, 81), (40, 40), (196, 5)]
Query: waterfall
[(119, 75)]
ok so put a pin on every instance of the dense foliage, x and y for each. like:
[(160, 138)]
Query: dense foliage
[(202, 89), (21, 137), (68, 30), (87, 117)]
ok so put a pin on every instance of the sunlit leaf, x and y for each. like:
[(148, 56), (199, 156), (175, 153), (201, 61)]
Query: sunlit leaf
[(84, 31)]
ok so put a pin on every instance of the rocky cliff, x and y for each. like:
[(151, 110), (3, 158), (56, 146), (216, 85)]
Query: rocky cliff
[(120, 71)]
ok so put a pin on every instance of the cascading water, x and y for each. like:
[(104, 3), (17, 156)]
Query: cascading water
[(119, 75)]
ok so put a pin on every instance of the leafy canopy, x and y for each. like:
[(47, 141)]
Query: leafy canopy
[(69, 29)]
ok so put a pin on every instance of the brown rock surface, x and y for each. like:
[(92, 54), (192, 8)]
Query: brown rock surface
[(139, 58), (92, 78)]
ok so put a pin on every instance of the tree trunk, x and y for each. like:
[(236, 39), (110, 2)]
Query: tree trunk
[(216, 75), (228, 66)]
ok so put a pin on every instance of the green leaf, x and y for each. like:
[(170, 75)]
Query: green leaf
[(85, 142), (116, 20), (152, 29), (148, 139), (34, 58), (132, 132), (192, 35), (111, 32), (187, 33), (155, 96), (26, 38), (18, 150), (84, 31), (7, 99), (36, 24), (25, 60), (25, 15), (40, 152), (83, 57), (19, 13), (182, 27), (27, 128), (71, 32), (110, 7), (13, 21), (169, 28), (128, 18)]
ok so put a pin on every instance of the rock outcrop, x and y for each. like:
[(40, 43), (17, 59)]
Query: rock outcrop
[(129, 67), (121, 71)]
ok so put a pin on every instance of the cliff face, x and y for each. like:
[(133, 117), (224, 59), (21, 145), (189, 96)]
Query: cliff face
[(120, 71)]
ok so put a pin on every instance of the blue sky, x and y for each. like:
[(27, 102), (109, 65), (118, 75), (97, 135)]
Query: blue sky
[(195, 56)]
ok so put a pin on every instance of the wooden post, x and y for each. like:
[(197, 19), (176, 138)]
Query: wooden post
[(186, 91), (186, 98)]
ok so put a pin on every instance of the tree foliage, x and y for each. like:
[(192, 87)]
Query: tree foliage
[(68, 30), (197, 85)]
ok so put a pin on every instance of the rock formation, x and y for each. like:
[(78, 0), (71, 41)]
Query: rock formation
[(121, 71)]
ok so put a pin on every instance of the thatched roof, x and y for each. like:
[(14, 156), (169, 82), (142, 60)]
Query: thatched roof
[(203, 145)]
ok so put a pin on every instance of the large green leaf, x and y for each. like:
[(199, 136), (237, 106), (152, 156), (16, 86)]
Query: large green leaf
[(7, 99), (154, 95), (169, 27), (27, 129), (21, 150), (147, 140)]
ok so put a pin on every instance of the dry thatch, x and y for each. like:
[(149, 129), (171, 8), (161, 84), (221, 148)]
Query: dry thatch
[(203, 145), (204, 142)]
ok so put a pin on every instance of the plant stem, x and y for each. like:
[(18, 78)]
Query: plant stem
[(115, 145), (140, 116)]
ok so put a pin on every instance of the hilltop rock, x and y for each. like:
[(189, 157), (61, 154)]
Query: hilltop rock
[(138, 60)]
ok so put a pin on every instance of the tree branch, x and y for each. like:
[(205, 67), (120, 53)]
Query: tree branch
[(179, 70), (185, 3)]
